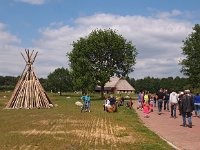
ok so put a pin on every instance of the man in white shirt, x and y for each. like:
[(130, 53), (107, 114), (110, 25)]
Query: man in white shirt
[(173, 99)]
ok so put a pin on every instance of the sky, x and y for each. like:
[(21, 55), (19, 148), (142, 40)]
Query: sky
[(157, 28)]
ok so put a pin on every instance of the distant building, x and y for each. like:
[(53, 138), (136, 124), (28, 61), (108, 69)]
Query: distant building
[(116, 85)]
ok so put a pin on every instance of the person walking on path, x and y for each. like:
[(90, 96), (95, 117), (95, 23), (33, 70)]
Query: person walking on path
[(173, 99), (160, 97), (139, 101), (146, 110), (187, 108), (197, 105), (180, 98), (166, 100), (142, 99)]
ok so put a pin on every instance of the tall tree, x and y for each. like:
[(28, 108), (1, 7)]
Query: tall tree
[(191, 50), (101, 55), (81, 68), (60, 80)]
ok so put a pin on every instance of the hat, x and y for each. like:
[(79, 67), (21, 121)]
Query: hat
[(181, 93), (187, 91)]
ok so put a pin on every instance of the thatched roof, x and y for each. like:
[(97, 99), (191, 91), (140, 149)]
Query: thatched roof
[(120, 84)]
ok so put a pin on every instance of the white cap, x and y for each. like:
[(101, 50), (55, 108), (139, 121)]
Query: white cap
[(187, 91)]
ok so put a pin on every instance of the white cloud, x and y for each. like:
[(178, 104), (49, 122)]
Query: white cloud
[(173, 13), (6, 37), (33, 2), (157, 67), (157, 39), (9, 47)]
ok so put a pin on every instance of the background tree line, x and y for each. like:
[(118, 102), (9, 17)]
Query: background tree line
[(8, 82), (61, 80), (152, 84)]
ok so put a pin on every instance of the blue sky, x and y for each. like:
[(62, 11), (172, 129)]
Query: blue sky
[(156, 28)]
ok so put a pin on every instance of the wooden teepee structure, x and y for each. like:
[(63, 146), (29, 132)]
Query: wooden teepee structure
[(28, 92)]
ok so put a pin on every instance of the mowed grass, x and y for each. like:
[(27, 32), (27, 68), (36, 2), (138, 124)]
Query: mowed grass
[(65, 127)]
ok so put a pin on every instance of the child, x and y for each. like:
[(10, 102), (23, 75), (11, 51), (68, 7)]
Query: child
[(129, 104), (146, 110), (151, 103)]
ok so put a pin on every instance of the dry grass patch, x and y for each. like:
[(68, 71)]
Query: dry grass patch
[(100, 131)]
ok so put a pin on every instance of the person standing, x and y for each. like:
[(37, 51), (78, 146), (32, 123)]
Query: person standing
[(84, 99), (197, 105), (173, 99), (187, 108), (142, 98), (139, 101), (160, 96)]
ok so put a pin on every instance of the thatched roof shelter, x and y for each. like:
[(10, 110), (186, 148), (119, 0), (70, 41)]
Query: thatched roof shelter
[(116, 84)]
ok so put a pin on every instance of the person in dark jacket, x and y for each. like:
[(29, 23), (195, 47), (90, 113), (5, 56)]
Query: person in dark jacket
[(166, 100), (160, 96), (180, 98), (187, 108)]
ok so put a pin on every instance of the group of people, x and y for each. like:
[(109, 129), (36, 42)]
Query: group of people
[(112, 102), (185, 101), (146, 102)]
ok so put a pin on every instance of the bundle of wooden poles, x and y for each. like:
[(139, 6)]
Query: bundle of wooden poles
[(28, 92)]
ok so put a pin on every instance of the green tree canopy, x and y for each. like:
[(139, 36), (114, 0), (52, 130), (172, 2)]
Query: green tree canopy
[(60, 80), (152, 84), (102, 54), (191, 50)]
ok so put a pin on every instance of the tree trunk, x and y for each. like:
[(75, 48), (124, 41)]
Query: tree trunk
[(60, 92), (83, 91), (102, 91)]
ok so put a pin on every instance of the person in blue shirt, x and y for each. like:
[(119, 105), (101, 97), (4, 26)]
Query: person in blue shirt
[(197, 105)]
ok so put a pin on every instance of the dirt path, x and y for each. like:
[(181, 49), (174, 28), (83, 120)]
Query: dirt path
[(170, 129)]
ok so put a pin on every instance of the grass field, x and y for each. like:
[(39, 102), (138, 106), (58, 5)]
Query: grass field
[(65, 127)]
